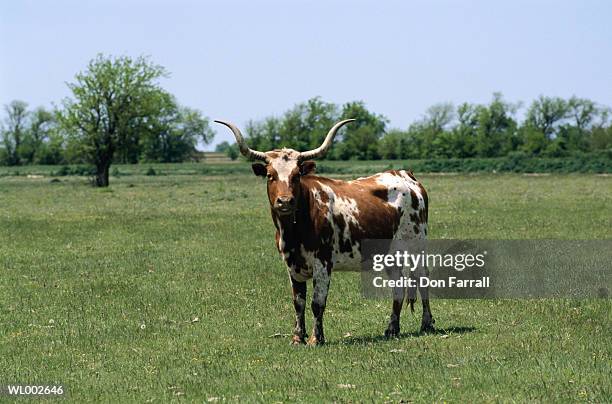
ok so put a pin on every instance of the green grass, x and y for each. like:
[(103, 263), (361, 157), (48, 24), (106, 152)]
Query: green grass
[(169, 287)]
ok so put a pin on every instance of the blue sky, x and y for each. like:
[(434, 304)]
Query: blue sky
[(239, 60)]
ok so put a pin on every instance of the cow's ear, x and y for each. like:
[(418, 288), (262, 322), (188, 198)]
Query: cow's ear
[(259, 169), (308, 167)]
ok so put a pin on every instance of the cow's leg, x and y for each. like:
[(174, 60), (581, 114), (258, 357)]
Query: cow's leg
[(299, 304), (427, 321), (393, 329), (320, 282)]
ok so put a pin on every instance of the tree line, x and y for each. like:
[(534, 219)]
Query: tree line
[(118, 112), (551, 127)]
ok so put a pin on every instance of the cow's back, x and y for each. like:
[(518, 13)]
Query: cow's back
[(388, 205)]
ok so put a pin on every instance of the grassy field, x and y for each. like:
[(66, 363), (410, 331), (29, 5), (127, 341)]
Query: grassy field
[(169, 287)]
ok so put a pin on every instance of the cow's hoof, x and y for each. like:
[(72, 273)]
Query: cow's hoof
[(393, 331), (312, 341), (428, 327), (297, 340)]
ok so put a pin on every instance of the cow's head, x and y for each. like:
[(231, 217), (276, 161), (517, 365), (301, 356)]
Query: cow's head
[(284, 168)]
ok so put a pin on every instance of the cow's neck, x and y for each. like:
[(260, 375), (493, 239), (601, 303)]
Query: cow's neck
[(293, 228), (288, 232)]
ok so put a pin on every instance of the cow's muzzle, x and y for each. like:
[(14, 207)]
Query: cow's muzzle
[(284, 205)]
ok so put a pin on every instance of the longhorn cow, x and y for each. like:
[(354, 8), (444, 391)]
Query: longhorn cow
[(321, 224)]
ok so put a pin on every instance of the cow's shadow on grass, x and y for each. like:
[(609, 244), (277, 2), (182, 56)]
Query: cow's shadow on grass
[(369, 339)]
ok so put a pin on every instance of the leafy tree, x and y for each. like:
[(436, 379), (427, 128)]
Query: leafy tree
[(31, 137), (41, 126), (264, 135), (601, 139), (222, 147), (361, 137), (570, 139), (433, 127), (600, 136), (305, 125), (301, 128), (293, 130), (584, 117), (52, 151), (496, 131), (113, 100), (438, 117), (390, 145), (230, 150), (583, 112), (534, 142), (412, 145), (398, 144), (546, 113), (466, 130), (173, 136), (15, 130), (233, 152), (319, 117)]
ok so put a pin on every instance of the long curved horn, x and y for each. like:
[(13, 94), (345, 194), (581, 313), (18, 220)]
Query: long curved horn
[(321, 150), (244, 149)]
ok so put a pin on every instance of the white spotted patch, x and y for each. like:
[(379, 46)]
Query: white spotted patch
[(314, 269), (346, 207), (310, 261), (349, 210), (317, 196), (399, 189)]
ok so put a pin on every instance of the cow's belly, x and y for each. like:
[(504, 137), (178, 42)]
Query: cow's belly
[(347, 262), (342, 262), (301, 275)]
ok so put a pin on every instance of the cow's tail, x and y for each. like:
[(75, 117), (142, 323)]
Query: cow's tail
[(411, 294), (412, 301)]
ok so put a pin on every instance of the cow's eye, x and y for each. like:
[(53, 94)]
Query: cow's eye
[(270, 176)]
